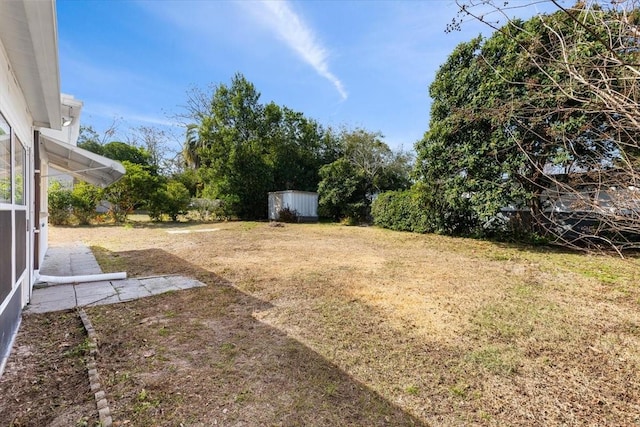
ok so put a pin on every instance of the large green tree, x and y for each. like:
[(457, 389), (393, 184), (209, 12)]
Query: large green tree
[(243, 148), (507, 117), (366, 168), (148, 182), (132, 191)]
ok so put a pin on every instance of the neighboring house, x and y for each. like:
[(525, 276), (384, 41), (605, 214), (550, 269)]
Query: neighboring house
[(584, 207), (609, 192), (595, 207), (37, 131)]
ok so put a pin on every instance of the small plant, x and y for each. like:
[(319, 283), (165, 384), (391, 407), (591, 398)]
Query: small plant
[(229, 350), (349, 221), (413, 390), (459, 390), (228, 347), (80, 350), (144, 402), (243, 396), (331, 389), (287, 214), (82, 422)]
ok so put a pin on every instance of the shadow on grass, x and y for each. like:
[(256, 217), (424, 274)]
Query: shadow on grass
[(201, 356)]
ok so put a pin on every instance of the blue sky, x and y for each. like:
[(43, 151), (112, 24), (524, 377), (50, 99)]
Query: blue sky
[(355, 63)]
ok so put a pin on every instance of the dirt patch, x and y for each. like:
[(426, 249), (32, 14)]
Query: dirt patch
[(332, 325), (45, 381)]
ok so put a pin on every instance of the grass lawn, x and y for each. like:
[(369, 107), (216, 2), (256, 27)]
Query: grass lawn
[(332, 325)]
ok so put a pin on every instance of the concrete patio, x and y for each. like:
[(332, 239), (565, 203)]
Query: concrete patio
[(78, 260)]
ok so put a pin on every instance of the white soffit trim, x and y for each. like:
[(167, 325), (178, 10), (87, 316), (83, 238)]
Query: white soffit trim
[(28, 32), (82, 164)]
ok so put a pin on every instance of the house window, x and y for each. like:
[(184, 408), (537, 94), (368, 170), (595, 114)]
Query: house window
[(20, 155), (5, 161), (20, 221)]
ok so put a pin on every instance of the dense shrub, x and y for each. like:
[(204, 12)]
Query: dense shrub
[(178, 199), (73, 206), (85, 199), (202, 209), (190, 179), (393, 210), (60, 204), (132, 191), (228, 204), (421, 209), (408, 210), (171, 200), (342, 192)]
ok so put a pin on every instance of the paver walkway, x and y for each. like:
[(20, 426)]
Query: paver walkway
[(77, 259)]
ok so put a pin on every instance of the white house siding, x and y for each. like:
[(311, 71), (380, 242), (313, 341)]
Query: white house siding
[(71, 108), (12, 101), (31, 103), (15, 240)]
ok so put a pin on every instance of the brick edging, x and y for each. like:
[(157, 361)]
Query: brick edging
[(104, 412)]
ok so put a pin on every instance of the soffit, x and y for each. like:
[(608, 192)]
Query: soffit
[(28, 32)]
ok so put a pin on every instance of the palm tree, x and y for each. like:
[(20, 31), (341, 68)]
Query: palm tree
[(192, 145)]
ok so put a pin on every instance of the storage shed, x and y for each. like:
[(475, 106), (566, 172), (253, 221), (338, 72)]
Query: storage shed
[(305, 203)]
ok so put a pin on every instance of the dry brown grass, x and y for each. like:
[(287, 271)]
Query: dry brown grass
[(334, 325), (45, 382)]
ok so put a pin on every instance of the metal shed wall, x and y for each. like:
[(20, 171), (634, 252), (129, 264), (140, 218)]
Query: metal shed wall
[(303, 202)]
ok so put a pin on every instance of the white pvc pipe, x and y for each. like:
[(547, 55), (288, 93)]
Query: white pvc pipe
[(82, 279)]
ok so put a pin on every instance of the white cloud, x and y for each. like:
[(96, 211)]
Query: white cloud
[(290, 27), (125, 114)]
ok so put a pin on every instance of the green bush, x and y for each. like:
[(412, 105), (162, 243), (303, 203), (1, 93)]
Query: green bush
[(408, 210), (85, 198), (132, 191), (171, 200), (206, 209), (178, 199), (60, 204), (228, 204), (342, 192)]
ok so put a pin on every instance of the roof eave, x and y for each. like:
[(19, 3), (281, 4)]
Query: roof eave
[(33, 53)]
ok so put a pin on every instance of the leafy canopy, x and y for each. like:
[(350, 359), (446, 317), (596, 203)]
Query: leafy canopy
[(506, 115), (366, 168), (242, 148)]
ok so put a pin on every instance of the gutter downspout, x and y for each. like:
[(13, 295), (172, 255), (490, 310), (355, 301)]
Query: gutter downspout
[(81, 279)]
